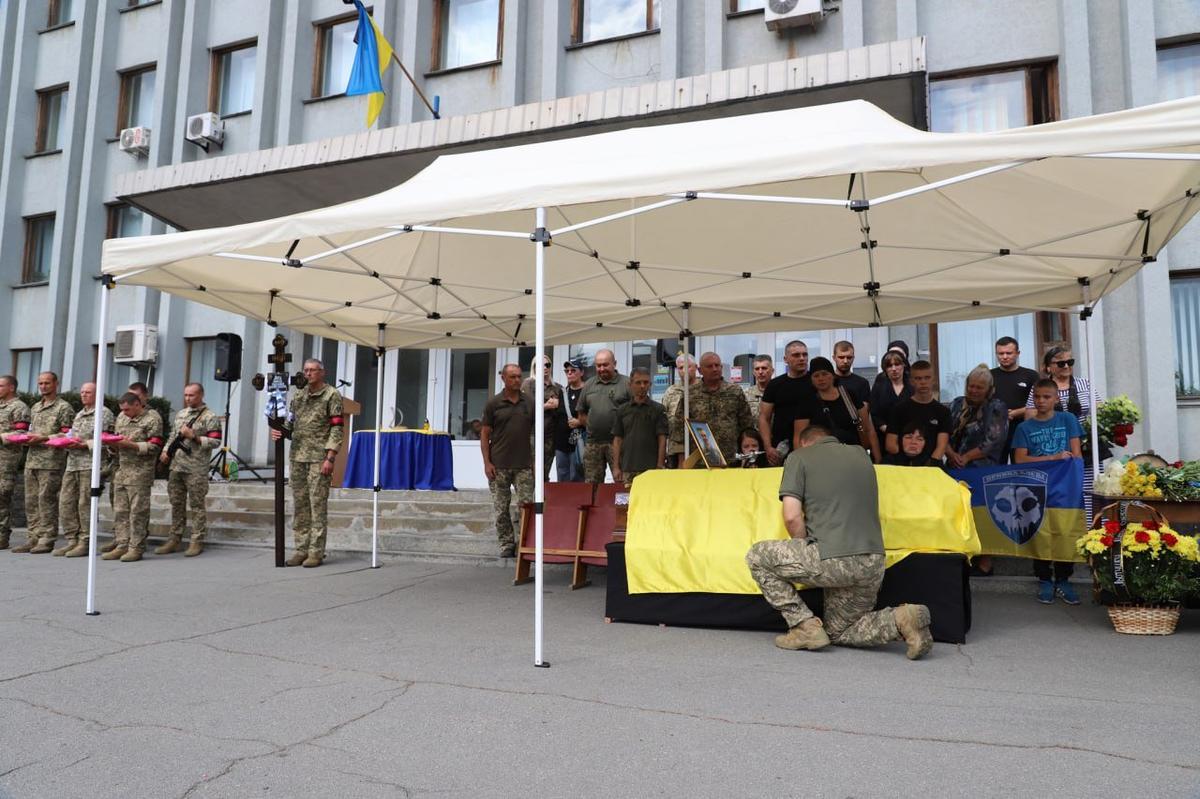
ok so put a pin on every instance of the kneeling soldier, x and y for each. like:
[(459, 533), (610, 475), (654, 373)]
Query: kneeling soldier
[(194, 433), (75, 502), (136, 454)]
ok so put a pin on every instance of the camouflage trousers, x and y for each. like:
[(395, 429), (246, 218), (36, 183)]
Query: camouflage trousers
[(42, 487), (501, 488), (75, 505), (851, 588), (187, 493), (8, 484), (131, 515), (597, 456), (310, 517)]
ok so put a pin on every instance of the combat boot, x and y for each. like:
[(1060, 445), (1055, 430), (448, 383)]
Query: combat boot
[(809, 634), (3, 542), (80, 550), (43, 547), (297, 559), (194, 549), (115, 553), (65, 548), (168, 546), (109, 547), (312, 561), (26, 547), (131, 556), (912, 622)]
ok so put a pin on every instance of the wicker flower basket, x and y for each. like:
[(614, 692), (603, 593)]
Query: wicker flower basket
[(1144, 619)]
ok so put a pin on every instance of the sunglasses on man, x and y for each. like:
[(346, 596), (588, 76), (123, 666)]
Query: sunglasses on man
[(1065, 364)]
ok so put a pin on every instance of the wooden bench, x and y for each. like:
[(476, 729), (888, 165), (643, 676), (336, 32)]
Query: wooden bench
[(577, 523)]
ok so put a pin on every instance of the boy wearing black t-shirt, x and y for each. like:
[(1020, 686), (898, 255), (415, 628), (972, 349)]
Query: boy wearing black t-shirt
[(921, 409)]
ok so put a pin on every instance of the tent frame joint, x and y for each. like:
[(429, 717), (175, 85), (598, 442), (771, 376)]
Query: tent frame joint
[(858, 206), (541, 236)]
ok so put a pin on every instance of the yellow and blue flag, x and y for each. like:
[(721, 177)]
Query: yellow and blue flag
[(1030, 510), (371, 60)]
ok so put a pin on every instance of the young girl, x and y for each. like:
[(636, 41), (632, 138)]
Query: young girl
[(752, 442)]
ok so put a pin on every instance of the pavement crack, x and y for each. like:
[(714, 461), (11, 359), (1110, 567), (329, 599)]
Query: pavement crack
[(15, 769), (970, 660), (404, 791)]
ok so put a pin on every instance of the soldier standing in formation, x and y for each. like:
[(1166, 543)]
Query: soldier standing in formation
[(49, 416), (137, 453), (672, 400), (505, 444), (316, 426), (75, 503), (195, 432), (14, 419)]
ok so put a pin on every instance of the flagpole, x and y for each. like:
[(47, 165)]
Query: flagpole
[(417, 88)]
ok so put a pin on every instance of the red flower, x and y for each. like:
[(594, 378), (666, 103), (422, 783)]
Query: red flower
[(1107, 540), (1150, 525), (1169, 539), (1142, 537), (1177, 465), (1120, 440), (1112, 526)]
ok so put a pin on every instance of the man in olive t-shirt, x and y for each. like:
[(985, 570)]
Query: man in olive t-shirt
[(598, 403), (639, 431), (831, 510), (506, 442)]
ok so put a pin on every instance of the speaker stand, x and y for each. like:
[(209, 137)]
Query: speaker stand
[(217, 466)]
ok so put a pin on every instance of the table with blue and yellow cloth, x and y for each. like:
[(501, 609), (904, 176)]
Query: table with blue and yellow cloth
[(408, 459)]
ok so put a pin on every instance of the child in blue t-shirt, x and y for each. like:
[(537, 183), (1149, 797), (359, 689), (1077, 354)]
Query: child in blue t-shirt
[(1049, 436)]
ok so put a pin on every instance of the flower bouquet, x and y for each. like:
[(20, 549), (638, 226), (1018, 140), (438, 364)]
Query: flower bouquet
[(1115, 419), (1148, 567)]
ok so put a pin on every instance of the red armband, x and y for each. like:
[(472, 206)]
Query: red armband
[(213, 434), (20, 425), (65, 429), (155, 440), (335, 421)]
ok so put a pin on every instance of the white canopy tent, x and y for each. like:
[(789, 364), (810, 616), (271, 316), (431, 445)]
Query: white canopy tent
[(836, 215)]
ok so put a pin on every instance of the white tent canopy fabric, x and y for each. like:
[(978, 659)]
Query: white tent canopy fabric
[(954, 226)]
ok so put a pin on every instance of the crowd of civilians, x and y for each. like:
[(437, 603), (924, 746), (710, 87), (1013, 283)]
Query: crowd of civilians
[(609, 423)]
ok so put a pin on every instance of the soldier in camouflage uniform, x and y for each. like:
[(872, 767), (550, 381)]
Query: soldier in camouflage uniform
[(506, 444), (671, 402), (14, 418), (764, 370), (721, 404), (75, 503), (137, 454), (316, 426), (143, 392), (831, 510), (198, 431), (49, 417)]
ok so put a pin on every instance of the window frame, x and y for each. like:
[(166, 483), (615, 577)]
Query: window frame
[(214, 74), (125, 77), (321, 29), (16, 372), (27, 277), (436, 56), (54, 16), (577, 9), (1180, 274), (112, 224), (734, 10), (44, 98)]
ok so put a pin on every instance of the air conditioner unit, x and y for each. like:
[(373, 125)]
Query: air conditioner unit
[(791, 13), (135, 141), (135, 344), (205, 129)]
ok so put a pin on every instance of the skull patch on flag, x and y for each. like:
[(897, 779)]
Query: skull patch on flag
[(1016, 501)]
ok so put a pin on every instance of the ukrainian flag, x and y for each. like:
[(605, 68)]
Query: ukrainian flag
[(1030, 510), (371, 60)]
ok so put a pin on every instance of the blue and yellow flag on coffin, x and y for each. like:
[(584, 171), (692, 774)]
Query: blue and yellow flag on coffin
[(371, 60), (1030, 510)]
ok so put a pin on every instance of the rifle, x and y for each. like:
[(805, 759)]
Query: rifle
[(178, 443)]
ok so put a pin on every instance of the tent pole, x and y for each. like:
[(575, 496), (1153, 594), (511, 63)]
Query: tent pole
[(98, 427), (687, 382), (541, 240), (1084, 316), (380, 357)]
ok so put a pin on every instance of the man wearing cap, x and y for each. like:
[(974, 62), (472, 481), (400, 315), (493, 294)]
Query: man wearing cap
[(554, 415), (14, 420), (49, 417), (598, 403), (571, 441)]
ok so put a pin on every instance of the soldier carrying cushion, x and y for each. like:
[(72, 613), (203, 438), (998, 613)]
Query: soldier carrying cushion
[(50, 416), (316, 426), (137, 452), (14, 420), (195, 432), (75, 502)]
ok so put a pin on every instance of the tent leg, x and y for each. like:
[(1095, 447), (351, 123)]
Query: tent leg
[(380, 357), (1084, 316), (687, 381), (541, 241), (98, 428)]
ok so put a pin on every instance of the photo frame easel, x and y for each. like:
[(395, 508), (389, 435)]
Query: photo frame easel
[(705, 447)]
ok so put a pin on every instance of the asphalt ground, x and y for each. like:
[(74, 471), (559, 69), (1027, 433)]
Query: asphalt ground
[(222, 676)]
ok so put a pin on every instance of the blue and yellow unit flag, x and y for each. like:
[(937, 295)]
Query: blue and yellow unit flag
[(1030, 510), (371, 60)]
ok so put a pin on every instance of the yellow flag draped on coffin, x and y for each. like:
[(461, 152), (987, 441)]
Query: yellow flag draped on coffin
[(690, 530)]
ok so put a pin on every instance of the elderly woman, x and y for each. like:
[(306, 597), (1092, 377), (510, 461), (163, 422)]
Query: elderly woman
[(979, 423)]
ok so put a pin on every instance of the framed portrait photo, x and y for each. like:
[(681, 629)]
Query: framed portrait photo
[(706, 445)]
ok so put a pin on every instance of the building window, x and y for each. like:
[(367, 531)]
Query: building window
[(335, 56), (50, 105), (135, 105), (1178, 71), (412, 388), (231, 89), (1185, 310), (117, 376), (472, 383), (39, 245), (467, 32), (746, 5), (61, 12), (200, 367), (26, 366), (124, 221), (595, 20)]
